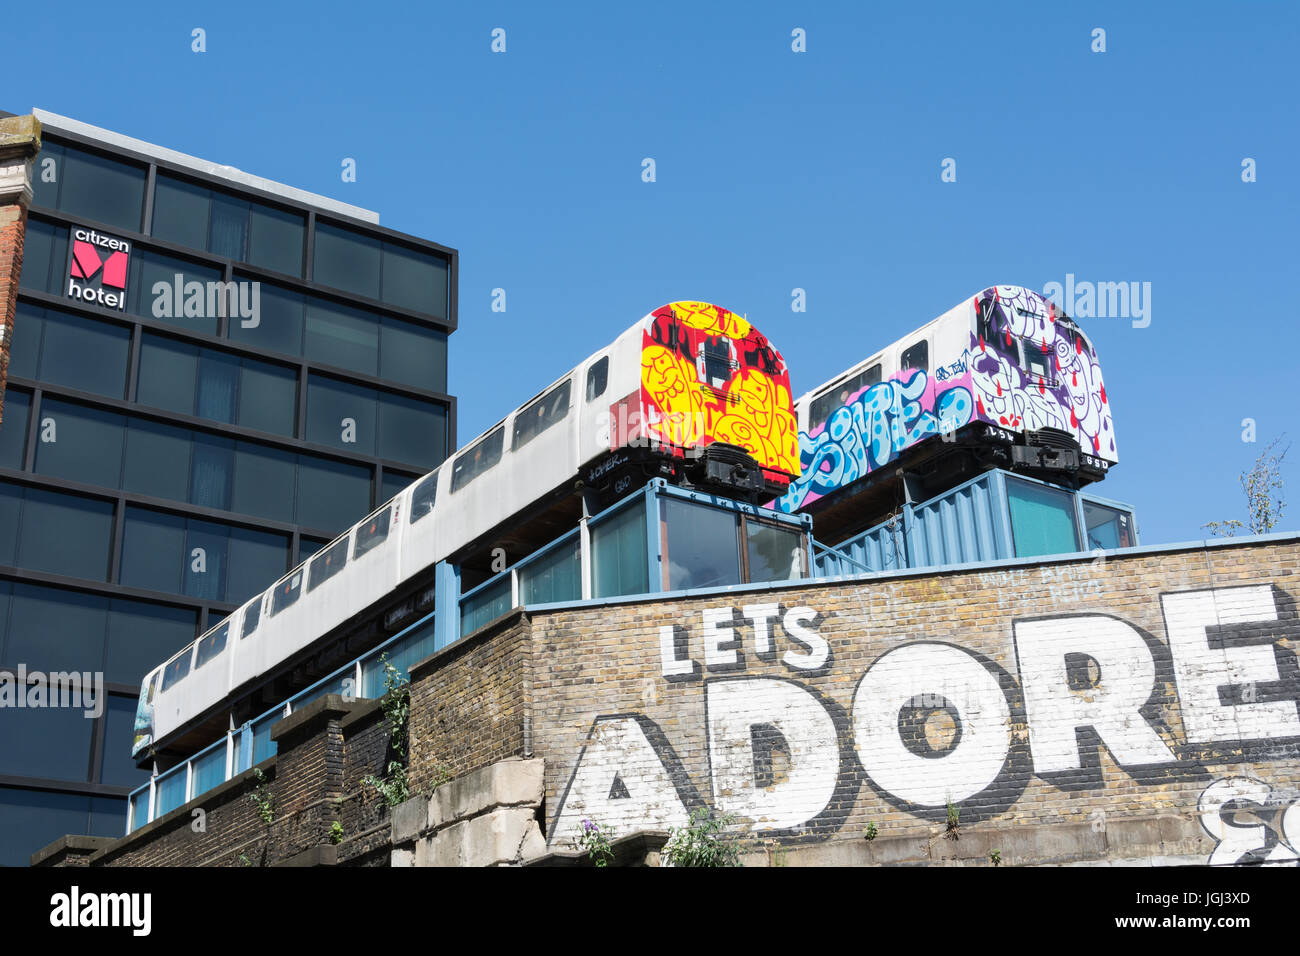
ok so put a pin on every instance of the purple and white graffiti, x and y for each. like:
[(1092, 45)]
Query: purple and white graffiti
[(870, 429), (1062, 388)]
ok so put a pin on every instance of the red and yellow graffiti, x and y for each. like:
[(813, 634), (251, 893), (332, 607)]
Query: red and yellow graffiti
[(707, 376)]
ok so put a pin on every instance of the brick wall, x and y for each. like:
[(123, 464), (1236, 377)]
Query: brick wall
[(20, 140)]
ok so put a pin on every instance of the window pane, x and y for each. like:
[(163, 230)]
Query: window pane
[(412, 430), (618, 553), (227, 233), (169, 791), (63, 534), (148, 268), (210, 769), (341, 415), (169, 371), (264, 482), (140, 635), (117, 767), (423, 498), (395, 483), (918, 356), (701, 547), (331, 494), (541, 415), (218, 382), (25, 342), (597, 376), (477, 460), (342, 336), (555, 577), (30, 744), (414, 355), (210, 472), (1042, 519), (275, 239), (327, 564), (415, 280), (252, 617), (152, 548), (346, 260), (286, 592), (279, 328), (268, 397), (372, 532), (775, 554), (45, 257), (84, 354), (11, 506), (177, 669), (180, 212), (51, 629), (205, 559), (1107, 527), (257, 558), (263, 745), (87, 444), (157, 460), (46, 193), (487, 605), (13, 433), (307, 547), (31, 819), (101, 189), (211, 644)]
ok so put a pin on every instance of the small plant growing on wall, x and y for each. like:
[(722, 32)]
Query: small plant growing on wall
[(594, 840), (262, 798), (954, 822), (336, 833), (871, 831), (995, 857), (393, 786), (701, 842)]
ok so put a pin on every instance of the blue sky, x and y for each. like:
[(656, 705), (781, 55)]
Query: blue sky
[(775, 170)]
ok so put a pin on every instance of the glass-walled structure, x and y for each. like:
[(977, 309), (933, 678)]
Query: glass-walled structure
[(266, 367)]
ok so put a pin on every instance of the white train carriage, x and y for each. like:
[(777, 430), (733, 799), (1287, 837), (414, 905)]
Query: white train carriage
[(691, 377)]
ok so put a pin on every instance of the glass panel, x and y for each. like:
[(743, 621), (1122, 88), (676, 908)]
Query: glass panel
[(116, 767), (541, 415), (264, 482), (828, 401), (86, 445), (307, 547), (211, 644), (275, 239), (211, 471), (151, 268), (413, 354), (169, 371), (13, 433), (340, 415), (45, 257), (45, 187), (142, 634), (25, 347), (157, 460), (31, 819), (263, 745), (618, 553), (372, 532), (327, 564), (84, 354), (226, 236), (268, 397), (597, 376), (51, 742), (63, 534), (918, 356), (556, 576), (774, 553), (205, 559), (1042, 519), (422, 498), (700, 546), (415, 280), (11, 506), (169, 791), (180, 212), (280, 325), (177, 668), (486, 605), (1107, 527), (346, 260), (342, 336), (153, 546), (411, 649), (252, 616), (101, 189), (477, 460), (286, 592), (256, 557), (37, 613), (210, 769), (218, 382), (331, 494), (139, 810), (412, 430), (395, 483)]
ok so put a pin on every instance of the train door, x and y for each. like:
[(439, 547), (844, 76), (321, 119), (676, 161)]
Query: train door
[(593, 418)]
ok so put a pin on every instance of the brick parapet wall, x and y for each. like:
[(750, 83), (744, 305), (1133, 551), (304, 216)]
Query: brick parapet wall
[(20, 141)]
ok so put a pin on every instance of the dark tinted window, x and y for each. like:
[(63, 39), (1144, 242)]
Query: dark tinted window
[(346, 260), (838, 395), (918, 356), (211, 644), (13, 432), (413, 354), (252, 615), (541, 415), (83, 353), (327, 564), (414, 280), (1108, 527), (54, 629), (45, 257), (342, 336), (331, 494), (176, 668), (717, 361), (65, 534), (1039, 361), (30, 819), (264, 481), (157, 460), (153, 546), (286, 592), (279, 328), (180, 212), (423, 497), (275, 239), (372, 532), (378, 269), (95, 187), (596, 378), (117, 768), (149, 269), (141, 634), (80, 443), (412, 430), (254, 557), (394, 483), (341, 414), (477, 460), (29, 747), (25, 340)]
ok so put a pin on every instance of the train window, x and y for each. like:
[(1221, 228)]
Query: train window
[(371, 532), (327, 564), (211, 644), (541, 415), (597, 377), (838, 395), (251, 616), (286, 592), (1038, 360), (1107, 527), (177, 668), (478, 459), (423, 496), (717, 361), (918, 356)]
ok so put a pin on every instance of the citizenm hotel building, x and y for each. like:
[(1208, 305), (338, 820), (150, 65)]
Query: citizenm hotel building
[(210, 375)]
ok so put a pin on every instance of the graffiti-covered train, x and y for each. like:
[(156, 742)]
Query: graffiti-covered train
[(691, 392), (1005, 379)]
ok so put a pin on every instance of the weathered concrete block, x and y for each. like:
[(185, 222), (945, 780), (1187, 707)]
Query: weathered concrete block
[(516, 782), (409, 818), (507, 835)]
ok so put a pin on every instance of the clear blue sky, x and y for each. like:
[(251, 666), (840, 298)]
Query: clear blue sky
[(775, 170)]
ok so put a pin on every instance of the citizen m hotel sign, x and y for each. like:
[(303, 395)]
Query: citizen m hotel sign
[(97, 268)]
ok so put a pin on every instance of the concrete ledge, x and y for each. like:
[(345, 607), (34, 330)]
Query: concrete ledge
[(70, 845), (642, 848), (504, 836), (319, 711)]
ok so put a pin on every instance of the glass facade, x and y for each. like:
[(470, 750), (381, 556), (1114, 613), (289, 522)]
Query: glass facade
[(1042, 519), (162, 462)]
